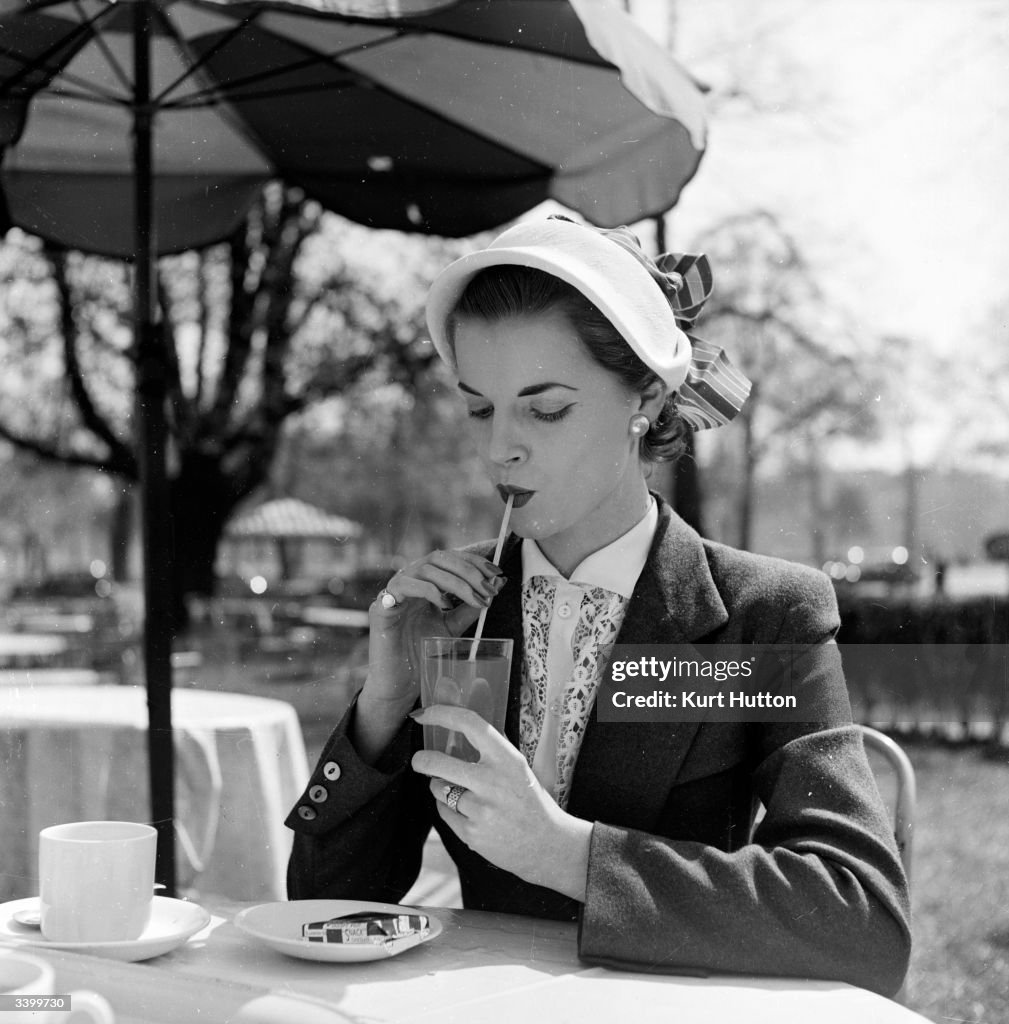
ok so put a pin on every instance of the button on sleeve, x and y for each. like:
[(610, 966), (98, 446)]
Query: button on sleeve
[(325, 803)]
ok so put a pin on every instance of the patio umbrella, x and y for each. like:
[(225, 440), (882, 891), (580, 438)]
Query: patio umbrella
[(145, 127), (451, 121), (284, 521), (289, 518)]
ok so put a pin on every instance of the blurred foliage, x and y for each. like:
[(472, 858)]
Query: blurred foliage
[(399, 460), (40, 502)]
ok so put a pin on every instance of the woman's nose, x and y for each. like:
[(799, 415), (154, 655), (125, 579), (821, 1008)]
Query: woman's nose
[(505, 446)]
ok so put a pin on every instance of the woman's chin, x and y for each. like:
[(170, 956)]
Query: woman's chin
[(530, 527), (526, 531)]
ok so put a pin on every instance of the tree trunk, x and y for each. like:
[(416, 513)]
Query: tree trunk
[(750, 459), (912, 489), (289, 564), (817, 510), (687, 497), (747, 486), (33, 556), (201, 500), (121, 532)]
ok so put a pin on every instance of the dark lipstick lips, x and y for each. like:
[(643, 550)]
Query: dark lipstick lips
[(521, 496)]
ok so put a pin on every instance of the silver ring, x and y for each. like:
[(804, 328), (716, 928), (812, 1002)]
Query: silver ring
[(386, 600), (452, 796)]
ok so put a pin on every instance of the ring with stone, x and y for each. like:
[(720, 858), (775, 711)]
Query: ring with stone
[(386, 600), (452, 796)]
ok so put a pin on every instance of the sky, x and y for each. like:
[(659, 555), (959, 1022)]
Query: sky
[(882, 142)]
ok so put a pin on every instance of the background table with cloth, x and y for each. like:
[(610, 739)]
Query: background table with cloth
[(73, 753), (26, 650)]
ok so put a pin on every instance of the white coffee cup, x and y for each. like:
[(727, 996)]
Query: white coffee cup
[(96, 880), (30, 978)]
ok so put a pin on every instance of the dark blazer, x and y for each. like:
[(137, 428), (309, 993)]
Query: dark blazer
[(679, 876)]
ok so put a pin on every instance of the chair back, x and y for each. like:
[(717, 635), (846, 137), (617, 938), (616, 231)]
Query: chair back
[(903, 814)]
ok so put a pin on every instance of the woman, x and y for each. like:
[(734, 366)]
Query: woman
[(570, 356)]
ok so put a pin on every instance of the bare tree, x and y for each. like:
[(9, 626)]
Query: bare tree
[(950, 411), (253, 337), (810, 380), (746, 75), (973, 388)]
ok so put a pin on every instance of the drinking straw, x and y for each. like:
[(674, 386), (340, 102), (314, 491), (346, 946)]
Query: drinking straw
[(502, 533)]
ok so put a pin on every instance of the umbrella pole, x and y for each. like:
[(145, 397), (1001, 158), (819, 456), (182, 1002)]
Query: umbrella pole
[(152, 437)]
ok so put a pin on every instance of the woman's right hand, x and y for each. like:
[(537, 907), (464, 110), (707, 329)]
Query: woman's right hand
[(441, 594)]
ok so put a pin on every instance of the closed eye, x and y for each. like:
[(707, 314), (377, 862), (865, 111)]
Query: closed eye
[(552, 417), (484, 412)]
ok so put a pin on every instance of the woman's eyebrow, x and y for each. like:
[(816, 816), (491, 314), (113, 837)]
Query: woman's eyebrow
[(538, 389), (533, 389)]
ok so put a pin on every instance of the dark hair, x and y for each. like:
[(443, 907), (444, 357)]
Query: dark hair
[(497, 293)]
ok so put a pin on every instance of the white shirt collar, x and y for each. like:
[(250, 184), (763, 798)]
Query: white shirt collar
[(615, 567)]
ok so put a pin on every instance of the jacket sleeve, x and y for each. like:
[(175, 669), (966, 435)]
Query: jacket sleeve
[(819, 891), (359, 830)]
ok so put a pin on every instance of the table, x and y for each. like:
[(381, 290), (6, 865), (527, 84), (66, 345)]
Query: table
[(483, 969), (336, 618), (75, 753), (28, 677), (45, 620), (24, 650)]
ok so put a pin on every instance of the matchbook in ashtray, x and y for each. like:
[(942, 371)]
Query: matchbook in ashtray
[(368, 928)]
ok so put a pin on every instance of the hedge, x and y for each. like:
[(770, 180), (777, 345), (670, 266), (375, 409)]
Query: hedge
[(939, 663)]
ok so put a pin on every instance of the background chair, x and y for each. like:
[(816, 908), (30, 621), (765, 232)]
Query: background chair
[(904, 803)]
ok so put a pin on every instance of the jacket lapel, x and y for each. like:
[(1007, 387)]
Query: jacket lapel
[(625, 770)]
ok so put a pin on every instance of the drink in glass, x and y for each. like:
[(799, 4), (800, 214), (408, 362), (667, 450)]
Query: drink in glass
[(466, 673)]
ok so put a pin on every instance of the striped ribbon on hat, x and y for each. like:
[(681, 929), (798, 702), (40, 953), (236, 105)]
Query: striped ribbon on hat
[(687, 281), (714, 390)]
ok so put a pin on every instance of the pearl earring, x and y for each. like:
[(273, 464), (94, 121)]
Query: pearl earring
[(640, 424)]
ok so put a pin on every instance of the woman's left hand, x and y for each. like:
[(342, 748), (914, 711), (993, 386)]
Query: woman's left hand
[(505, 814)]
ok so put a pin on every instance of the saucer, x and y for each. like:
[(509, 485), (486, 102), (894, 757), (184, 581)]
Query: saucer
[(279, 926), (171, 923)]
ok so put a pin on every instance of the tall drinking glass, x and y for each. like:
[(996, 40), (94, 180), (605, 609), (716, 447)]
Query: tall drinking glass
[(466, 673)]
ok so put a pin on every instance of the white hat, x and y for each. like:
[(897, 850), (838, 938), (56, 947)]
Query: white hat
[(643, 300)]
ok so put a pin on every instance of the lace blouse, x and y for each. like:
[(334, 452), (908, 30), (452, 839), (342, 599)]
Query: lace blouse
[(565, 623)]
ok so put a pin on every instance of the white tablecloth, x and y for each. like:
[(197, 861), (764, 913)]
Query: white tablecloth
[(23, 650), (28, 677), (73, 753)]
